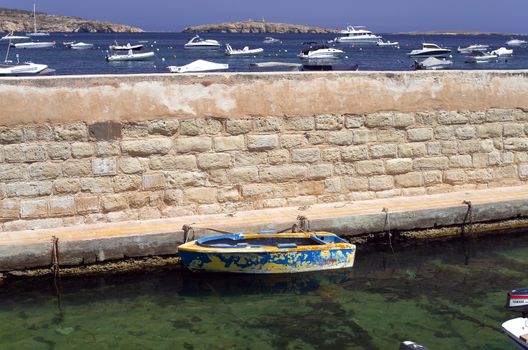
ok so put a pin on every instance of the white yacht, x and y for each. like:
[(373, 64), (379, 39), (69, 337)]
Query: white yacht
[(516, 42), (81, 46), (319, 51), (198, 43), (12, 36), (34, 45), (473, 48), (270, 40), (430, 50), (357, 35), (198, 66), (502, 52), (242, 52), (35, 32), (433, 63)]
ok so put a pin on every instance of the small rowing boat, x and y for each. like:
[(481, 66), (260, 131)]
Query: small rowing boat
[(265, 253)]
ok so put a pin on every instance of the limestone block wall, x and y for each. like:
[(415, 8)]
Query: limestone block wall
[(68, 173)]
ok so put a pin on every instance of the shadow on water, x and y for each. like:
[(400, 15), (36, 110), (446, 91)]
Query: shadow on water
[(444, 294)]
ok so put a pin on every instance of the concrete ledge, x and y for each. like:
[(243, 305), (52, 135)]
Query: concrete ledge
[(102, 242)]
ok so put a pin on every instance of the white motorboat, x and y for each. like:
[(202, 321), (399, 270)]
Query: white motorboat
[(473, 48), (68, 44), (502, 52), (516, 42), (433, 63), (270, 40), (382, 43), (26, 68), (34, 45), (198, 43), (198, 66), (319, 51), (242, 52), (357, 35), (430, 50), (130, 56), (481, 57), (81, 46), (12, 36), (517, 330), (35, 32), (127, 47)]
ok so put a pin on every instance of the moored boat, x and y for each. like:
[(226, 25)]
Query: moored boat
[(357, 35), (481, 57), (34, 45), (266, 253), (329, 67), (12, 36), (242, 52), (127, 47), (319, 51), (517, 328), (433, 63), (502, 52), (473, 48), (389, 43), (130, 56), (198, 43), (430, 50), (198, 66), (516, 42), (81, 46), (270, 40)]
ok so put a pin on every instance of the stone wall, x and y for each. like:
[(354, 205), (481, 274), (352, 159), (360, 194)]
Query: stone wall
[(62, 174)]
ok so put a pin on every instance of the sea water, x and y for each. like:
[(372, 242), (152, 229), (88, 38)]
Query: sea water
[(169, 50), (448, 295)]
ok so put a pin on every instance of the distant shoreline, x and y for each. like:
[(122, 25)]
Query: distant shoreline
[(458, 33)]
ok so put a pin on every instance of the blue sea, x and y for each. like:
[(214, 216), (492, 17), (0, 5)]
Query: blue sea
[(169, 50)]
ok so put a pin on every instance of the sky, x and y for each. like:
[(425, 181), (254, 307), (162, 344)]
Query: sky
[(382, 16)]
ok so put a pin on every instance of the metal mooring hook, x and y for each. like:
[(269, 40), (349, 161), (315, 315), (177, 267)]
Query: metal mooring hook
[(303, 223), (187, 229), (469, 216)]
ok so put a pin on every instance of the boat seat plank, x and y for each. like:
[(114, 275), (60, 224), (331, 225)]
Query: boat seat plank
[(286, 245), (524, 337)]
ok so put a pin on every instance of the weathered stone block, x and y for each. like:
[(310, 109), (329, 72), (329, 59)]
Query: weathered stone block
[(149, 213), (403, 120), (214, 160), (229, 143), (200, 195), (28, 189), (432, 177), (183, 178), (362, 136), (10, 172), (412, 150), (354, 121), (460, 161), (170, 162), (274, 203), (500, 115), (480, 160), (130, 165), (466, 132), (341, 138), (36, 153), (319, 171), (356, 183), (420, 134), (228, 194), (523, 171), (107, 149), (280, 156), (125, 183), (299, 123), (380, 183), (77, 168), (173, 197), (11, 135), (282, 173), (147, 147), (455, 177), (41, 171), (62, 206), (113, 202), (269, 124), (398, 166), (306, 155), (434, 148), (449, 147), (391, 135), (244, 174), (383, 151), (370, 167), (135, 130), (97, 185), (329, 122), (350, 154), (14, 153), (257, 191), (412, 179), (192, 127), (262, 142), (164, 127), (82, 149), (345, 169), (379, 120), (513, 130), (443, 132), (249, 158), (34, 208), (37, 224), (239, 126), (316, 137), (66, 186), (104, 166), (71, 132), (302, 201), (331, 154), (38, 133), (9, 209), (468, 146), (193, 144), (479, 175), (490, 130), (431, 163), (293, 140), (450, 118), (59, 151), (153, 181)]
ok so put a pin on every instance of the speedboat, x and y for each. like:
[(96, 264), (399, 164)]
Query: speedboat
[(503, 52), (319, 51), (517, 329), (81, 46), (382, 43), (34, 45), (516, 42), (68, 44), (12, 36), (433, 63), (127, 47), (245, 51), (357, 35), (270, 40), (198, 43), (130, 56), (198, 66), (266, 253), (481, 57), (473, 48), (26, 68), (430, 50)]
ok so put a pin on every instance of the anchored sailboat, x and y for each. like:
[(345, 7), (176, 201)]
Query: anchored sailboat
[(35, 32)]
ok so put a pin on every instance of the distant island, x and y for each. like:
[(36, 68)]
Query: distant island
[(251, 26), (455, 32), (22, 21)]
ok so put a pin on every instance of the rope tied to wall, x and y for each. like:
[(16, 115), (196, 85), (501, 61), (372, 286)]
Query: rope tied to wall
[(55, 267), (467, 217), (386, 227), (187, 230), (302, 225)]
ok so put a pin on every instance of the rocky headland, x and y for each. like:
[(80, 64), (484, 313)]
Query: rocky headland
[(22, 21), (251, 26)]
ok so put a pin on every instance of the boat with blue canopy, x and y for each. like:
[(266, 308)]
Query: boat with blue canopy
[(263, 253)]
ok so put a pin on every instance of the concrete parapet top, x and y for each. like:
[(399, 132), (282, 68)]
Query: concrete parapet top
[(94, 98)]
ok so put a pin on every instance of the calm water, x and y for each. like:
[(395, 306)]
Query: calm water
[(445, 295), (169, 51)]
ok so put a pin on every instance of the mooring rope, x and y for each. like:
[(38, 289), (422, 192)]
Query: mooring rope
[(469, 215), (386, 227)]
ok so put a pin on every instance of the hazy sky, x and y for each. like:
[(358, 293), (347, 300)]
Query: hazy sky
[(379, 15)]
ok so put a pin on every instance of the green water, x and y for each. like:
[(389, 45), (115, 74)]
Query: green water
[(446, 296)]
